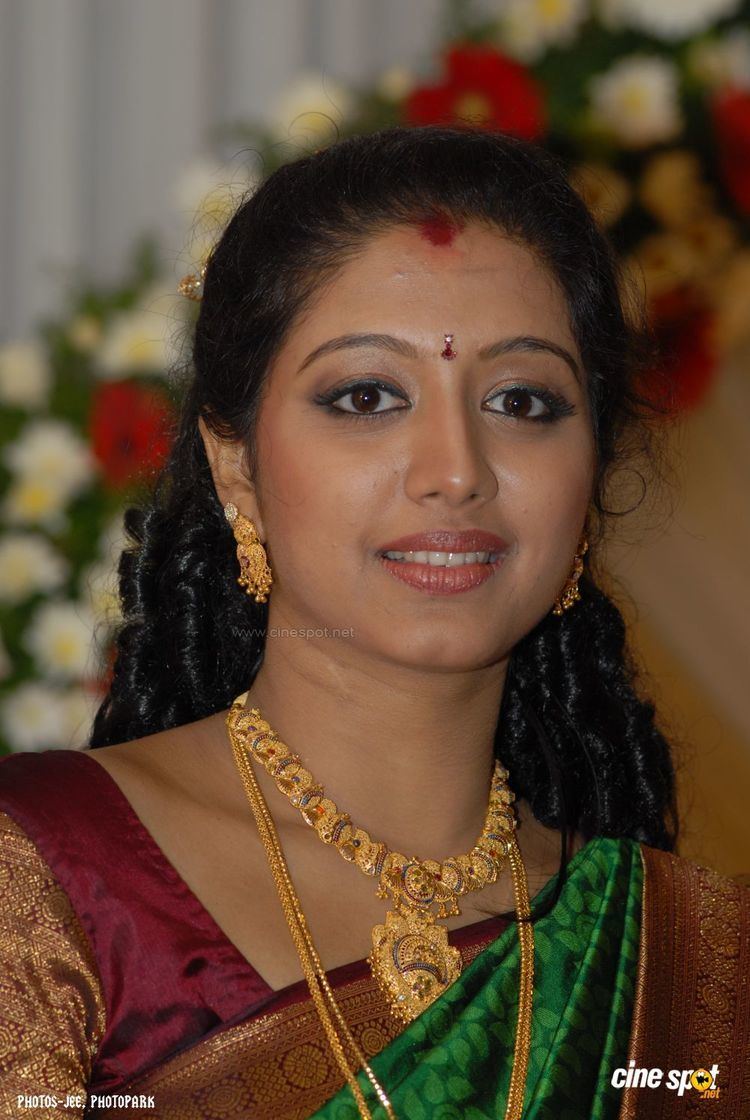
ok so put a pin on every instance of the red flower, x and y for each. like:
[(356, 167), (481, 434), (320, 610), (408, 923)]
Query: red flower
[(688, 357), (130, 430), (731, 113), (484, 88)]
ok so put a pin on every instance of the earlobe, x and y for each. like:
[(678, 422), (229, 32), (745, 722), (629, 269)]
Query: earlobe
[(226, 459)]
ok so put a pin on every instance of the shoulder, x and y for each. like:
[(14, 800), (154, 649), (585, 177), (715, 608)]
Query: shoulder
[(692, 1003), (672, 872), (30, 889), (42, 916), (34, 778), (695, 905), (171, 764), (51, 997), (37, 784)]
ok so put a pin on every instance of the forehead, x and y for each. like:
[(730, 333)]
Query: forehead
[(435, 275), (444, 262)]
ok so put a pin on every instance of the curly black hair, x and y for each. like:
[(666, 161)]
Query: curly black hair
[(575, 731)]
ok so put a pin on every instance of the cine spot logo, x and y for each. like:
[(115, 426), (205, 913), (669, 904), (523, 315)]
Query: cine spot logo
[(702, 1081)]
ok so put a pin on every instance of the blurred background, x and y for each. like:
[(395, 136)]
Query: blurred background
[(130, 129)]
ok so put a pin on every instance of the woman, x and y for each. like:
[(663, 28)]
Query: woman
[(366, 575)]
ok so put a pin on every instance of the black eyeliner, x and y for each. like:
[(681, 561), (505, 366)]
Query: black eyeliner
[(327, 398), (557, 404)]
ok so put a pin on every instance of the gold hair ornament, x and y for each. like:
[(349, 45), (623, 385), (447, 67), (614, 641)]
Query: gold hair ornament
[(255, 573), (570, 595), (191, 286)]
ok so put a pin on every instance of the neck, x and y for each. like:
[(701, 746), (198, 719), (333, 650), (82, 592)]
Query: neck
[(408, 754)]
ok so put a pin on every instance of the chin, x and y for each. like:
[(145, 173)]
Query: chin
[(447, 655)]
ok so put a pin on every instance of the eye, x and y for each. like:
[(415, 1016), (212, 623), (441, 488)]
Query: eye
[(366, 398), (524, 403)]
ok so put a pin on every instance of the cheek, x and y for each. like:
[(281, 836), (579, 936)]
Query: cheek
[(547, 495), (313, 497)]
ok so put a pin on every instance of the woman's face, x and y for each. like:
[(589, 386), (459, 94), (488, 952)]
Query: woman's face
[(366, 444)]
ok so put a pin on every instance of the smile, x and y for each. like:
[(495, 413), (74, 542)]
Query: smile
[(443, 559), (442, 573)]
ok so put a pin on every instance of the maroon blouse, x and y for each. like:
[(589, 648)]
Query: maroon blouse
[(169, 974)]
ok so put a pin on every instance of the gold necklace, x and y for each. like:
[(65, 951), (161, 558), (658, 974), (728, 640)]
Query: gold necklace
[(411, 960)]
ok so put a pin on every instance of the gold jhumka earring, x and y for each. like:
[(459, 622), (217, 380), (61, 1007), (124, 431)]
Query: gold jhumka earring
[(255, 573), (570, 594)]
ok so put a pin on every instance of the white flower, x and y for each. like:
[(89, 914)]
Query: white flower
[(60, 637), (28, 563), (637, 101), (30, 717), (724, 60), (52, 464), (173, 313), (25, 374), (311, 109), (114, 538), (77, 707), (142, 340), (395, 83), (207, 195), (99, 586), (529, 27), (36, 501), (209, 191), (666, 19), (51, 451)]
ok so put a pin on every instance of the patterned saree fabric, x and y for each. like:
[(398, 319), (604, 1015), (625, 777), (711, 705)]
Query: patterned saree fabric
[(52, 1012), (455, 1059), (115, 982)]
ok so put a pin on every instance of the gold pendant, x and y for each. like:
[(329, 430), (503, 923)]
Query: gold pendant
[(412, 962)]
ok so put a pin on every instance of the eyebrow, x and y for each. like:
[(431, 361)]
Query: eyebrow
[(518, 344)]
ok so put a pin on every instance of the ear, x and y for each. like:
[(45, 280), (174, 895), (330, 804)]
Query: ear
[(229, 470)]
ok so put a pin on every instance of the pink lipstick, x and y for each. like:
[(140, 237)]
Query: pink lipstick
[(444, 561)]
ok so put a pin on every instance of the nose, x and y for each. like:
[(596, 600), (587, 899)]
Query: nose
[(447, 460)]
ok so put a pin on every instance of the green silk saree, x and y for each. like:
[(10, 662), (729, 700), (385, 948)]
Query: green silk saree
[(643, 962), (454, 1061)]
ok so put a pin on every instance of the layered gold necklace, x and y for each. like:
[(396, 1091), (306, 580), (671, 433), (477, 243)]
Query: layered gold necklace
[(411, 960)]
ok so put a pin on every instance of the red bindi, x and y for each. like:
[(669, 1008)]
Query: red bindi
[(449, 353), (440, 230)]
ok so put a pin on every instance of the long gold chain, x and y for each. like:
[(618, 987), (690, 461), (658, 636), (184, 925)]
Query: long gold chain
[(313, 970), (320, 990)]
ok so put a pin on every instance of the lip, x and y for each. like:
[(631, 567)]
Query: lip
[(440, 580), (447, 540), (443, 580)]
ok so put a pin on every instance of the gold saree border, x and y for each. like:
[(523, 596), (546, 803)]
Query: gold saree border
[(692, 1000), (52, 1010), (277, 1066)]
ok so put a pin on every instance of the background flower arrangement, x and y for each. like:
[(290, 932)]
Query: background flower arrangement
[(649, 104)]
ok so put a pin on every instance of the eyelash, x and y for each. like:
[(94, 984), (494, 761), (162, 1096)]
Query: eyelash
[(557, 404)]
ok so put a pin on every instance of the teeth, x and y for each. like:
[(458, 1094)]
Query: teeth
[(443, 559)]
